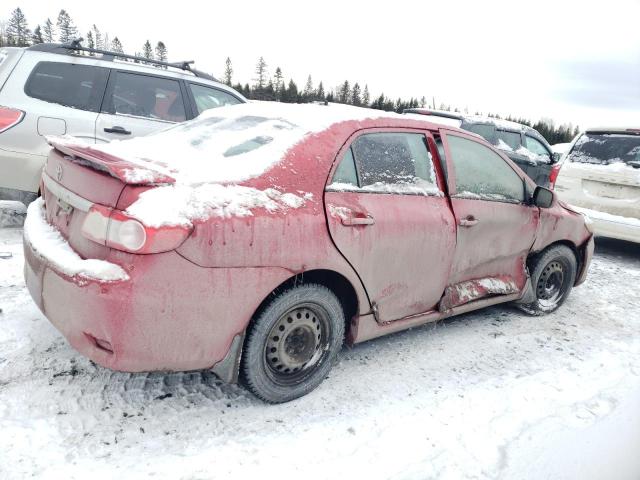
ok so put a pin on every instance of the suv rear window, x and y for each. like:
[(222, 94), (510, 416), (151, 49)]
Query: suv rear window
[(68, 84), (603, 149)]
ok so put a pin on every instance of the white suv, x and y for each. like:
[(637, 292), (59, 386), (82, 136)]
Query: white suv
[(54, 89), (600, 177)]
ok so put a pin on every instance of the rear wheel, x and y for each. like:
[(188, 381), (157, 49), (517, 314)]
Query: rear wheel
[(293, 343), (553, 275)]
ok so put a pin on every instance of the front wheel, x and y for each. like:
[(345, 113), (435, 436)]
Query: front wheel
[(553, 275), (292, 343)]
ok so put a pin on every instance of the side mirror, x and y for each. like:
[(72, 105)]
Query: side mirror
[(542, 197), (555, 157)]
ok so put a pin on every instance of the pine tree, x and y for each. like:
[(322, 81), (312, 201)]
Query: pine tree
[(278, 84), (90, 42), (67, 29), (37, 36), (98, 40), (18, 32), (147, 52), (48, 31), (228, 71), (161, 52), (344, 93), (365, 96), (292, 92), (320, 93), (308, 90), (261, 78), (106, 41), (116, 46), (356, 99)]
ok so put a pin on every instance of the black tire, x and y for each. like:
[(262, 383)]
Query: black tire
[(292, 343), (553, 273)]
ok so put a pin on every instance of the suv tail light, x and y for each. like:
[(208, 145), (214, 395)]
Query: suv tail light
[(118, 230), (553, 176), (9, 117)]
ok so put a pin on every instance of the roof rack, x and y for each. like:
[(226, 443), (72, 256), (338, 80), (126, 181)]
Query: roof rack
[(437, 113), (75, 46)]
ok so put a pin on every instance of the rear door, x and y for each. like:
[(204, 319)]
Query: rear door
[(496, 228), (137, 104), (389, 218)]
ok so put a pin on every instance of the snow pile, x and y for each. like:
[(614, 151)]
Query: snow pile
[(54, 249), (417, 187), (182, 204), (234, 143), (12, 213), (502, 145), (560, 147)]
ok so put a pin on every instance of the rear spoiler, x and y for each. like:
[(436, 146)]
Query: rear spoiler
[(124, 170)]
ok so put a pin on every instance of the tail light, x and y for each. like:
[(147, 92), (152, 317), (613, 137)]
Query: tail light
[(9, 117), (118, 230), (553, 176)]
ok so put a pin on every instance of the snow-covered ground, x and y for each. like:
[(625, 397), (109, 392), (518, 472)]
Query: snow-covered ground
[(493, 394)]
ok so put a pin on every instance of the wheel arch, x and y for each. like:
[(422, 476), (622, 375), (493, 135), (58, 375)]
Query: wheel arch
[(578, 253), (334, 281)]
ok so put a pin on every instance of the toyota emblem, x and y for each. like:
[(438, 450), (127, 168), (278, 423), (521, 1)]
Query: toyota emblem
[(59, 172)]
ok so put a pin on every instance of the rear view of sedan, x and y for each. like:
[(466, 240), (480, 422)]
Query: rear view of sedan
[(256, 239)]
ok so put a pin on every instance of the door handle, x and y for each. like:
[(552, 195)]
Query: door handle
[(116, 129), (470, 221), (354, 221)]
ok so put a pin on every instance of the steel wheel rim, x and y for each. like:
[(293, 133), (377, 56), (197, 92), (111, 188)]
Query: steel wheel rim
[(297, 344), (551, 285)]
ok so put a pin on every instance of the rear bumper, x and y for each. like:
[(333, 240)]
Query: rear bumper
[(587, 256), (169, 315), (620, 230)]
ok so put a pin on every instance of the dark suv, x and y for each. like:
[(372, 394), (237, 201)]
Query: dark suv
[(522, 144)]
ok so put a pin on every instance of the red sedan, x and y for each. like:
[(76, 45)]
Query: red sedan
[(256, 239)]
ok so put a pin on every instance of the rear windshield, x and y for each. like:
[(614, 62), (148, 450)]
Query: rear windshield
[(604, 149)]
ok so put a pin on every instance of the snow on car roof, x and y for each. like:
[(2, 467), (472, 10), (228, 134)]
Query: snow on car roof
[(234, 143)]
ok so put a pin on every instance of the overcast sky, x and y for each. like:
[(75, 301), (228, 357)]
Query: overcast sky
[(573, 61)]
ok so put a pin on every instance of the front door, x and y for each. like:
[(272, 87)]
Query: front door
[(137, 104), (389, 218), (496, 227)]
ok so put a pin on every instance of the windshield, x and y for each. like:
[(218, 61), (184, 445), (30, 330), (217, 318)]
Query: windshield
[(604, 149)]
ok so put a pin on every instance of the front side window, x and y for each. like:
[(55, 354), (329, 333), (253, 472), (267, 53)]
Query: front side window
[(536, 147), (482, 174), (511, 139), (207, 98), (68, 84), (146, 96), (387, 163)]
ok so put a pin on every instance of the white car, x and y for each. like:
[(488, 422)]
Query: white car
[(57, 89), (600, 177)]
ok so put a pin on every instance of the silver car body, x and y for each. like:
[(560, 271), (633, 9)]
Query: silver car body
[(23, 147)]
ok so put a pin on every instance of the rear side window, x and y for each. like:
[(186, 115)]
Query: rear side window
[(486, 131), (482, 174), (512, 139), (68, 84), (207, 98), (387, 163), (605, 149), (147, 96)]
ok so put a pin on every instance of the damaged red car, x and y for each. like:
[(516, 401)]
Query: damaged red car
[(256, 239)]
